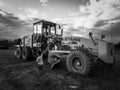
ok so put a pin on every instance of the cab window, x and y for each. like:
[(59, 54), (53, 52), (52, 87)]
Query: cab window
[(35, 29), (38, 28), (53, 30), (58, 30)]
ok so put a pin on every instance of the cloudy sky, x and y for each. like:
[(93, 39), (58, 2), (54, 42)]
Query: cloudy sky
[(80, 17)]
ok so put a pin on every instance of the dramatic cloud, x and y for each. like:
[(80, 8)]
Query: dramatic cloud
[(95, 16), (97, 11), (11, 26), (10, 20), (101, 23), (78, 17), (44, 2), (31, 14)]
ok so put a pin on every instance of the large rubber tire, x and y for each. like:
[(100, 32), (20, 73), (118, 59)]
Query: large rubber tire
[(26, 53), (79, 62), (18, 53)]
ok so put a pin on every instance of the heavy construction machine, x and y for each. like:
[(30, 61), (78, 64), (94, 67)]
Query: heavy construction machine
[(78, 57)]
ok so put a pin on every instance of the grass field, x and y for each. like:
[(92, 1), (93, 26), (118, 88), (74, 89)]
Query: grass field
[(23, 75)]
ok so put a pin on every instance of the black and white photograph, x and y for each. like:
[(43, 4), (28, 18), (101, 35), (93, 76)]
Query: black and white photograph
[(59, 44)]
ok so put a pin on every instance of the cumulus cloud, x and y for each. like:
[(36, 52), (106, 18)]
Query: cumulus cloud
[(95, 16), (31, 14), (71, 13), (9, 19), (98, 11), (11, 26), (44, 2)]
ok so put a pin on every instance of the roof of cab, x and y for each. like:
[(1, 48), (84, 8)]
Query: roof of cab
[(44, 21)]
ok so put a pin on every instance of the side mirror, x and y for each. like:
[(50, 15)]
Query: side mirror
[(90, 34), (62, 32), (102, 37)]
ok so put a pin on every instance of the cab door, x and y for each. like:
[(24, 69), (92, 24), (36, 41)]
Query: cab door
[(37, 34)]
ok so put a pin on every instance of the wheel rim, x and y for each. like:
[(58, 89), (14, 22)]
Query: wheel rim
[(17, 54), (77, 63), (24, 54)]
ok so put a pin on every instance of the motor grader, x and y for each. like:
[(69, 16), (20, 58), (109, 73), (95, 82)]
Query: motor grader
[(77, 57)]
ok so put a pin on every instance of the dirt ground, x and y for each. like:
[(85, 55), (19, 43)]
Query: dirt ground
[(23, 75)]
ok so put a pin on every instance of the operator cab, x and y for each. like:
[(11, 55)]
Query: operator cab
[(45, 28), (42, 27)]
